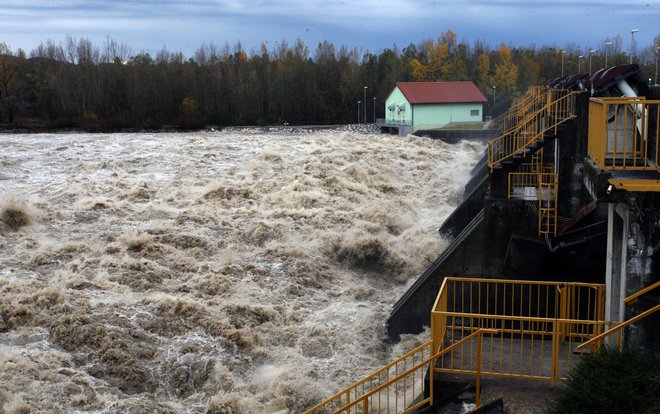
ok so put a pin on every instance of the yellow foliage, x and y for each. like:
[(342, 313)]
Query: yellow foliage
[(189, 106)]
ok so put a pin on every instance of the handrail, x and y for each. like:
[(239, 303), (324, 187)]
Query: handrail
[(624, 133), (633, 298), (532, 128), (409, 371), (619, 327), (368, 377), (430, 360)]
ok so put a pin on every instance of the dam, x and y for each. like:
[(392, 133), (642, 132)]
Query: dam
[(555, 246)]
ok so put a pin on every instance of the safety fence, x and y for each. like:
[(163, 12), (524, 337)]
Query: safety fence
[(536, 325), (548, 203), (559, 107), (399, 387), (483, 327), (391, 389), (525, 182), (614, 336), (624, 132), (531, 101)]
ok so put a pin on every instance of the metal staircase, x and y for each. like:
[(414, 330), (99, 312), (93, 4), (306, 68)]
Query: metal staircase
[(539, 114), (555, 107), (483, 327)]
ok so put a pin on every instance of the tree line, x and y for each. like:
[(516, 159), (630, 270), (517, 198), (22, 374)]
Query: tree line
[(78, 84)]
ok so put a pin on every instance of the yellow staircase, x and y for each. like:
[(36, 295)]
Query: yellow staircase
[(538, 182), (544, 113), (483, 327)]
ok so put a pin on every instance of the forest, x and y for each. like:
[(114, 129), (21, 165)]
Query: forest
[(75, 83)]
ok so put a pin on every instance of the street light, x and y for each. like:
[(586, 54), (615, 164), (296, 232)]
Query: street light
[(359, 102), (657, 50), (607, 48), (562, 62), (579, 63), (365, 104), (591, 52), (494, 95), (632, 44), (374, 109)]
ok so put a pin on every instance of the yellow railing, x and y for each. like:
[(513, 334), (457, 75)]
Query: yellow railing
[(542, 186), (623, 133), (633, 298), (397, 388), (393, 388), (547, 199), (525, 183), (538, 325), (559, 108), (597, 341), (483, 327), (521, 108)]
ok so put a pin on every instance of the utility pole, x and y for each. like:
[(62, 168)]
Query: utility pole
[(607, 47), (579, 63), (591, 52), (632, 44), (365, 104), (657, 50)]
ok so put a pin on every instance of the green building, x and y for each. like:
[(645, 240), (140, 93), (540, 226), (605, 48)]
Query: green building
[(412, 106)]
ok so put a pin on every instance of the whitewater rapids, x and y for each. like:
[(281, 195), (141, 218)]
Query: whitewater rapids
[(209, 272)]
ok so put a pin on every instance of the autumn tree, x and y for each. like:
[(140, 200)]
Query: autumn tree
[(506, 72)]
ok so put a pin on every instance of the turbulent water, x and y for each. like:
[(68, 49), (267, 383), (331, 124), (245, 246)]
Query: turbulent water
[(218, 272)]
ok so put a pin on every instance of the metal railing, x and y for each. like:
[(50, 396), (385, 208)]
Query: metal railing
[(538, 325), (633, 298), (624, 132), (483, 327), (547, 199), (393, 122), (559, 108), (392, 388), (399, 386), (597, 341), (538, 183), (521, 108), (525, 183)]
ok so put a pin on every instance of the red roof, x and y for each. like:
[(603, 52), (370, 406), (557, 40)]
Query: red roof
[(441, 92)]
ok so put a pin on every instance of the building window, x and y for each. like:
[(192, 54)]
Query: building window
[(474, 112)]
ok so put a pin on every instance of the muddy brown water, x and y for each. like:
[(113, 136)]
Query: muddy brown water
[(209, 272)]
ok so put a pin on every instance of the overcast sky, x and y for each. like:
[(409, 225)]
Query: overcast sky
[(148, 25)]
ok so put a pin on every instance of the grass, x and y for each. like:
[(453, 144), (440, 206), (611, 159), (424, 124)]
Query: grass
[(466, 125)]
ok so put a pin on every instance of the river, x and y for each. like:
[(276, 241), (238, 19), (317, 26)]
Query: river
[(219, 272)]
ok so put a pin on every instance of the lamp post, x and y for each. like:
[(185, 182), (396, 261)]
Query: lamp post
[(591, 52), (632, 44), (579, 63), (562, 62), (607, 47), (494, 96), (359, 102), (657, 50), (365, 104), (374, 109)]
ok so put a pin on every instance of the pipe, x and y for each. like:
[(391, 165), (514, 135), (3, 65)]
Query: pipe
[(629, 92)]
